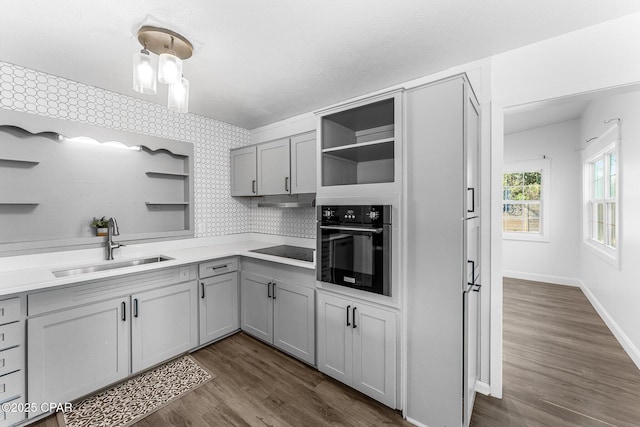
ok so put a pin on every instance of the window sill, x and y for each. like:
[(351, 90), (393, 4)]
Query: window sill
[(527, 237), (604, 255)]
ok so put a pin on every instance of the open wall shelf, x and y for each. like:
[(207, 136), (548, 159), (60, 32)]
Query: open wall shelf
[(157, 174), (10, 162)]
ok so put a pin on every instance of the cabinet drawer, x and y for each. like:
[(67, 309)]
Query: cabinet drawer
[(217, 267), (11, 385), (11, 335), (11, 360), (12, 415), (9, 310)]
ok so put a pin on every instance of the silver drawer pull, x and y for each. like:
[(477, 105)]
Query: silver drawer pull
[(218, 267), (2, 363), (2, 336), (3, 388)]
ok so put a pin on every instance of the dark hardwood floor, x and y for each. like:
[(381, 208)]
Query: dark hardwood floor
[(257, 385), (562, 366)]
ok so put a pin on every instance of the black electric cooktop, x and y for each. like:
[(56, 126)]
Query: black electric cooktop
[(286, 251)]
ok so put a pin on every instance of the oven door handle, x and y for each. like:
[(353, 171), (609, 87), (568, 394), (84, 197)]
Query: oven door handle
[(360, 229)]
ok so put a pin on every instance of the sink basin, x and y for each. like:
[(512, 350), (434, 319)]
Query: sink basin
[(109, 266)]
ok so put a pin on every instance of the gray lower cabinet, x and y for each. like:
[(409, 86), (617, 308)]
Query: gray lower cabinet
[(163, 324), (74, 352), (357, 345), (218, 306), (77, 345), (279, 312)]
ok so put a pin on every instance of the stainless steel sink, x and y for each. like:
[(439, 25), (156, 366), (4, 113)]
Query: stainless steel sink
[(109, 266)]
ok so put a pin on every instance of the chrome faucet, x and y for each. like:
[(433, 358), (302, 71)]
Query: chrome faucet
[(112, 229)]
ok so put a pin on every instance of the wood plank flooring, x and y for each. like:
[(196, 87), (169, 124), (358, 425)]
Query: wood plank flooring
[(562, 366), (257, 385)]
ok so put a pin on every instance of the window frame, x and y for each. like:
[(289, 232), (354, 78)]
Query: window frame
[(601, 148), (544, 166)]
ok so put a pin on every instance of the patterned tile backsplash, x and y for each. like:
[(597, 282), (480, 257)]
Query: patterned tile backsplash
[(216, 213)]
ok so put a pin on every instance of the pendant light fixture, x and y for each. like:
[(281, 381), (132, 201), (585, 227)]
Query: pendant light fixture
[(172, 48)]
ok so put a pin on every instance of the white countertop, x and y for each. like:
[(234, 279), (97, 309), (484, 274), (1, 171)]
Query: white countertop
[(34, 272)]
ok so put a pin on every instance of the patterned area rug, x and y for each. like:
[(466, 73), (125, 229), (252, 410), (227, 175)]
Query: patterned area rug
[(134, 399)]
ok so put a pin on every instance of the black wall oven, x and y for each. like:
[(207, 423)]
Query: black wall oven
[(354, 247)]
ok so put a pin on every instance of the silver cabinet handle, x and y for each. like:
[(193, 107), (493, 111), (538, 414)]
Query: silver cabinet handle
[(253, 186), (286, 183)]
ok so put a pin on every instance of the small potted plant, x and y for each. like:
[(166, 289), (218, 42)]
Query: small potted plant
[(101, 225)]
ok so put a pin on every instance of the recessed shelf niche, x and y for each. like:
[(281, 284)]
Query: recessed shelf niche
[(53, 185)]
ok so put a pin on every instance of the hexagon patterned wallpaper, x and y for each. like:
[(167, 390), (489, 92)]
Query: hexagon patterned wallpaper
[(216, 213)]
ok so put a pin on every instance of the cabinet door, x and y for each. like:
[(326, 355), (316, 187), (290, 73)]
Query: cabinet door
[(374, 353), (273, 168), (218, 306), (243, 172), (294, 320), (163, 324), (335, 337), (257, 308), (471, 311), (75, 352), (472, 146), (303, 163)]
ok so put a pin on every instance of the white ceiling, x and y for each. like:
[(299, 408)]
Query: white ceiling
[(257, 61), (544, 116)]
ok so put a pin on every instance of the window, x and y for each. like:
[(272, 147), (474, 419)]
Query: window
[(601, 192), (524, 202)]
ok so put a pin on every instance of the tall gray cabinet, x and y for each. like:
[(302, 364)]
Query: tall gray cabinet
[(442, 262)]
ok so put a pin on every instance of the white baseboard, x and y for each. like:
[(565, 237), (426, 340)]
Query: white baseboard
[(483, 388), (557, 280), (415, 423), (622, 338)]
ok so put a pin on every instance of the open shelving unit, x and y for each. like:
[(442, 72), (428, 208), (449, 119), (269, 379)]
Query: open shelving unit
[(57, 179), (358, 145)]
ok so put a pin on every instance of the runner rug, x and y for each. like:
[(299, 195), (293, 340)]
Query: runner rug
[(134, 399)]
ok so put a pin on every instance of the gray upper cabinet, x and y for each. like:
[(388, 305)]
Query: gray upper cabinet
[(472, 142), (283, 166), (273, 168), (243, 172), (303, 163)]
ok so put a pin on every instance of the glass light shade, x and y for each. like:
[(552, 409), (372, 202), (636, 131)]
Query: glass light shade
[(169, 69), (179, 96), (144, 73)]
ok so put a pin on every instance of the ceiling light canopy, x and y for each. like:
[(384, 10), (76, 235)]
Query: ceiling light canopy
[(171, 48)]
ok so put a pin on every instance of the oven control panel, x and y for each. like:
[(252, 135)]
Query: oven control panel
[(356, 214)]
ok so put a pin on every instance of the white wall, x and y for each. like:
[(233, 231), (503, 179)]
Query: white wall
[(594, 58), (616, 292), (555, 261)]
